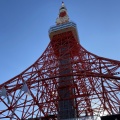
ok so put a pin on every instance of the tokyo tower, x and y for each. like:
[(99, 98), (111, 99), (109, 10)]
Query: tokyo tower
[(67, 82)]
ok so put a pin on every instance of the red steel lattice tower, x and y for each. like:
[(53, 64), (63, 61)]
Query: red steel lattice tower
[(66, 82)]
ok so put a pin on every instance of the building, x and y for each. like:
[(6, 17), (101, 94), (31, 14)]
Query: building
[(67, 82)]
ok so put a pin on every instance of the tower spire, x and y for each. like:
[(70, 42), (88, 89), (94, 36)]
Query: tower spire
[(62, 16), (62, 3)]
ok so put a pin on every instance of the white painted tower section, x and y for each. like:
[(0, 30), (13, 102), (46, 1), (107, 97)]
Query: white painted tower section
[(63, 16)]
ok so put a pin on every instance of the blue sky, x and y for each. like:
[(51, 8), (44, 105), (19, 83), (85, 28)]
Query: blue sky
[(24, 26)]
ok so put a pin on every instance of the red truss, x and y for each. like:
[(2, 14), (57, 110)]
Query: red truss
[(95, 80)]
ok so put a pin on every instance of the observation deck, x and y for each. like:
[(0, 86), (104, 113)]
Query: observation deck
[(68, 26)]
